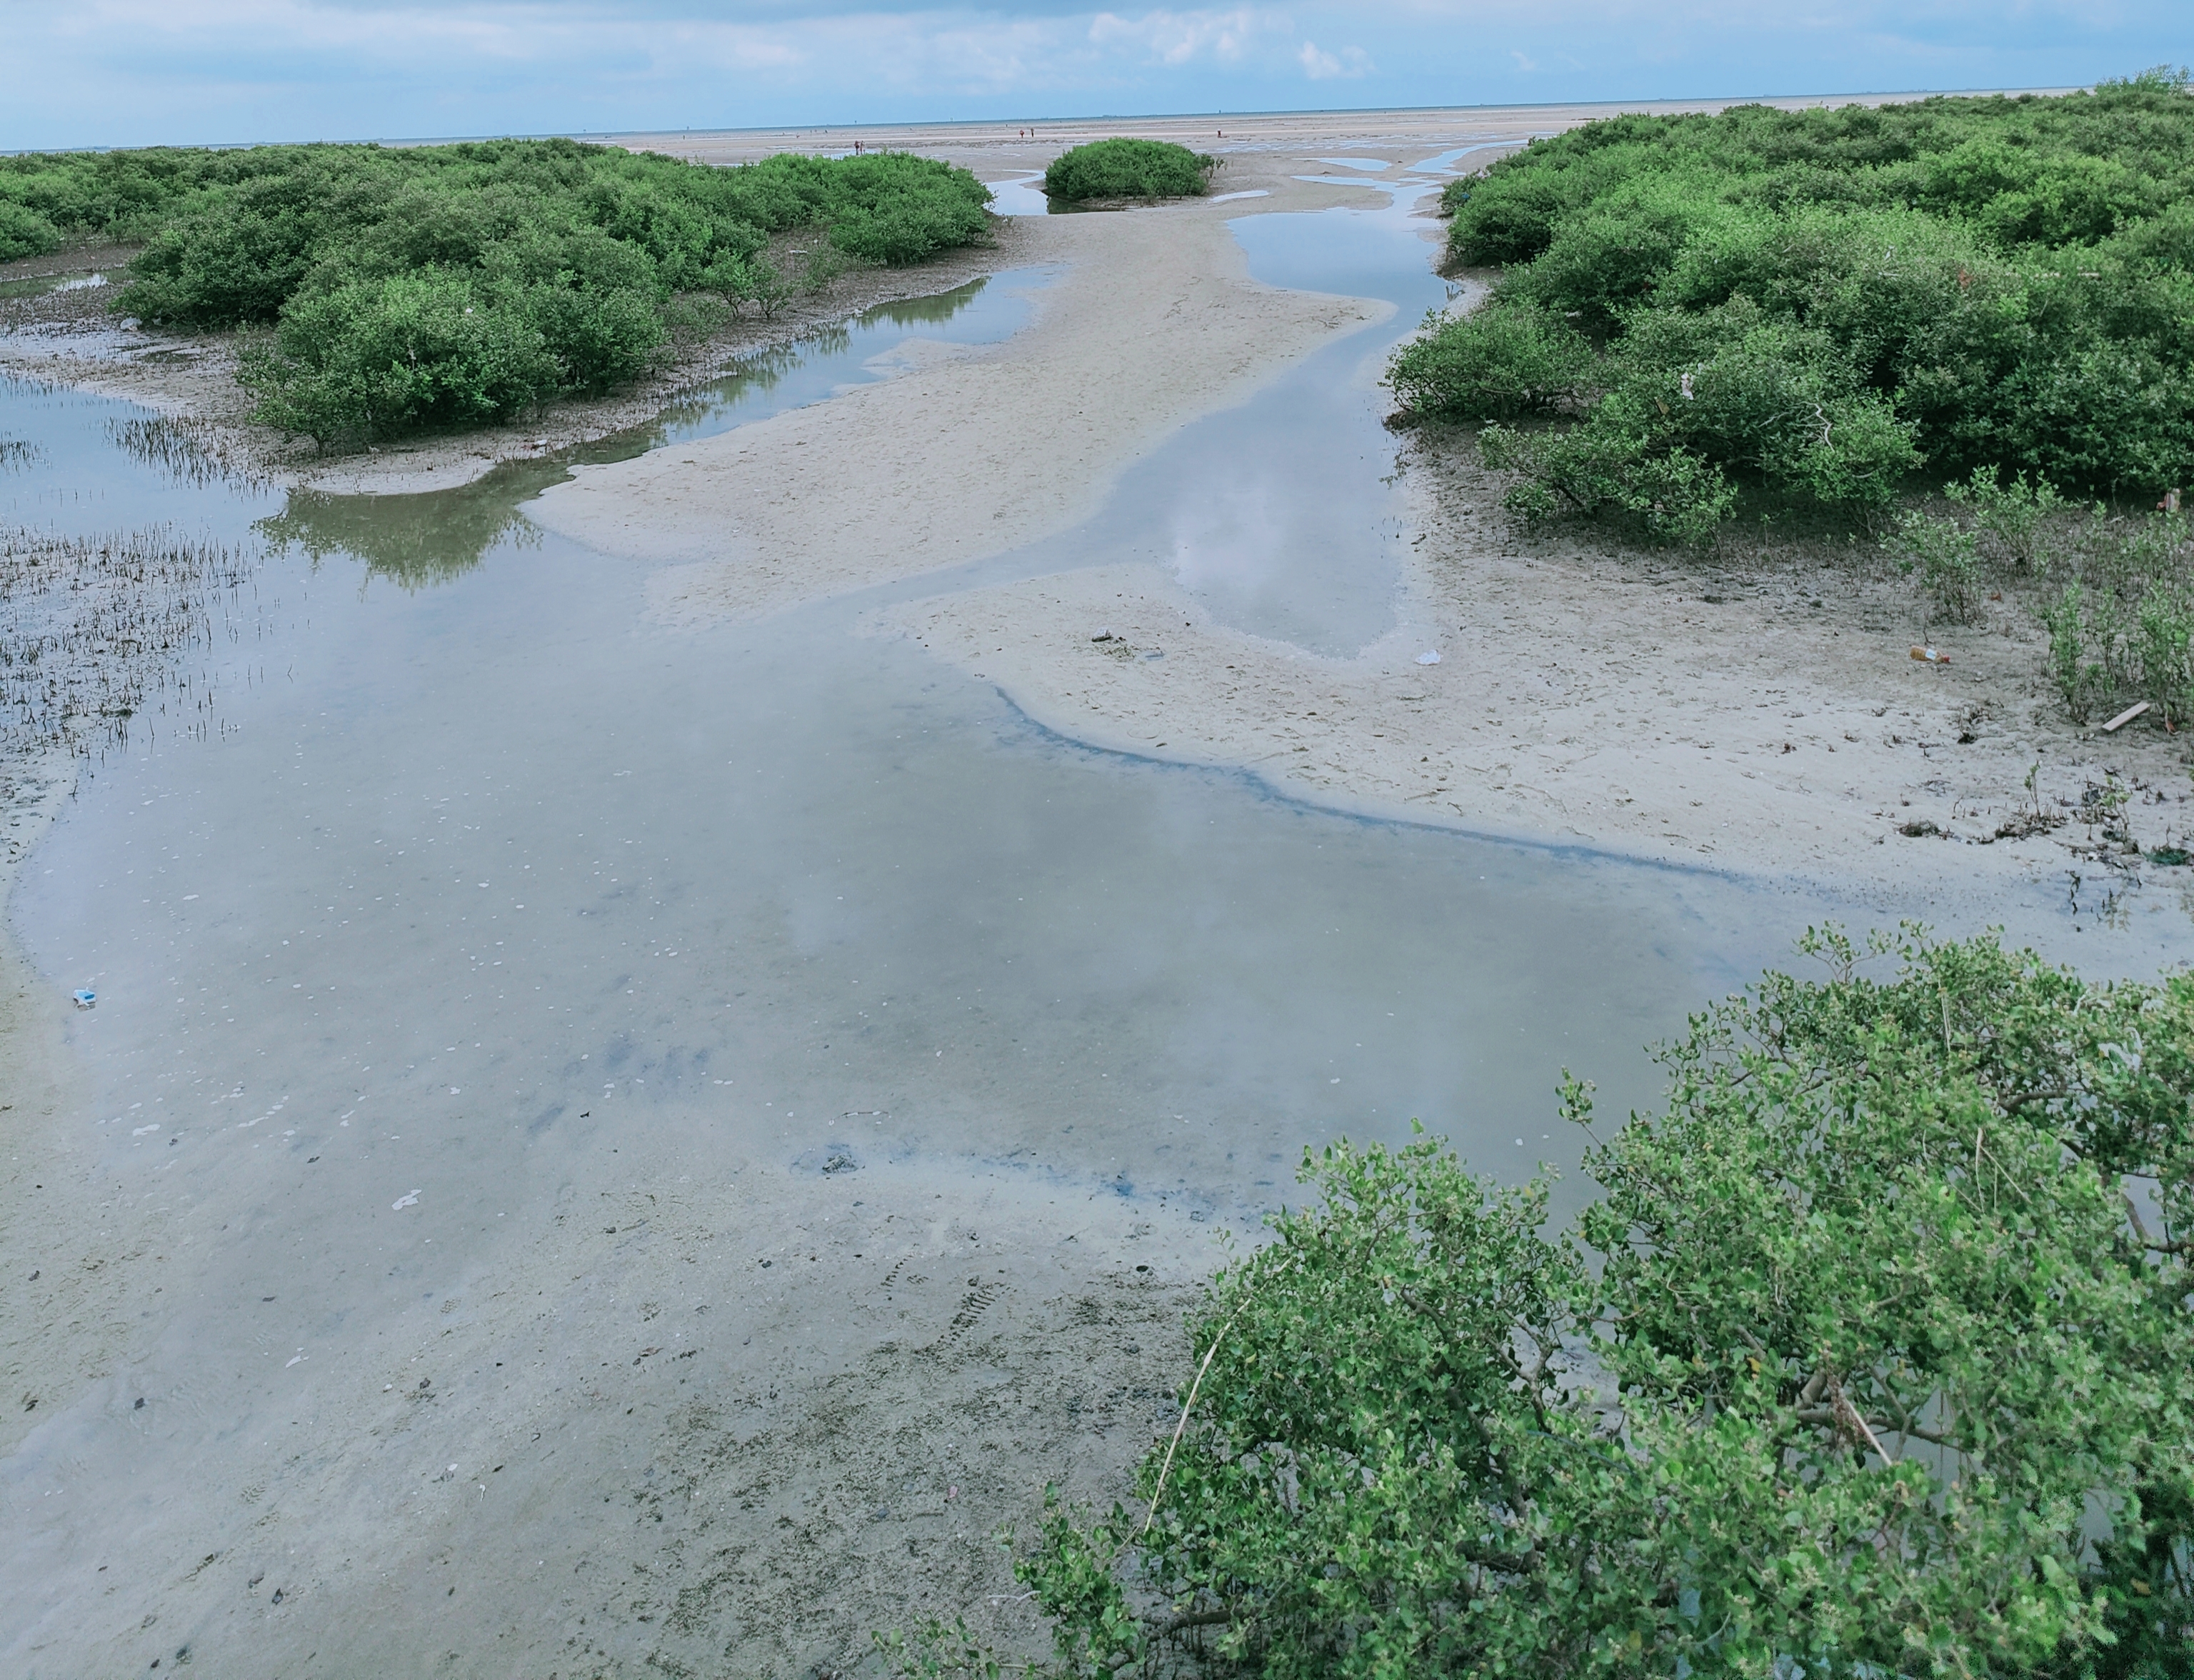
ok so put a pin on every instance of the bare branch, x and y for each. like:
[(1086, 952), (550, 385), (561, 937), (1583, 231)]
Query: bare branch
[(1182, 1623), (1829, 1418), (1166, 1468), (2132, 1213), (1850, 1424), (1844, 1418)]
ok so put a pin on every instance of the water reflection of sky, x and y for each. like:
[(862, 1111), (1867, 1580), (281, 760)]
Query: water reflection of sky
[(698, 847), (1020, 195), (1282, 516)]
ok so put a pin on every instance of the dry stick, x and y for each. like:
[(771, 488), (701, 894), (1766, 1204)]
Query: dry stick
[(1848, 1416), (2003, 1173), (2133, 1211), (1187, 1407)]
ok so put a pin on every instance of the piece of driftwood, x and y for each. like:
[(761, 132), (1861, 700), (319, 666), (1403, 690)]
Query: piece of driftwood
[(2124, 718)]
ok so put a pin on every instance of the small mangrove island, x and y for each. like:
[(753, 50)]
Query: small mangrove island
[(388, 290), (1128, 170)]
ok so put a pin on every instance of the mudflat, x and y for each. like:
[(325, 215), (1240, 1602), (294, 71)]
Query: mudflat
[(648, 1398)]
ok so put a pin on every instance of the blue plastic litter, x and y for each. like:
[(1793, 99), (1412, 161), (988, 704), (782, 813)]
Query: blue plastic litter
[(85, 999)]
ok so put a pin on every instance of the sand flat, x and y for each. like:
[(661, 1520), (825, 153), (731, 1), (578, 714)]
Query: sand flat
[(1748, 710), (1154, 321)]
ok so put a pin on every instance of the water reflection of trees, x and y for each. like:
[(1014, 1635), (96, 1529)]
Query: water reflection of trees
[(751, 376), (926, 311), (417, 540)]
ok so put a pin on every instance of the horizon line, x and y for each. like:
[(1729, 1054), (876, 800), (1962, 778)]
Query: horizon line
[(608, 135)]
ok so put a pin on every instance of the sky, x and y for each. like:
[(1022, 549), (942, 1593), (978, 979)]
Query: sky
[(133, 72)]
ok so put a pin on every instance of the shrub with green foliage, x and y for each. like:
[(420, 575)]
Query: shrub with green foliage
[(1874, 1358), (1127, 169), (25, 233), (1817, 302), (576, 252), (1947, 556), (1493, 365), (2113, 589), (374, 357)]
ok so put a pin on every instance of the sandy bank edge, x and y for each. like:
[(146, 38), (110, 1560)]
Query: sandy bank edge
[(1753, 713), (1155, 321)]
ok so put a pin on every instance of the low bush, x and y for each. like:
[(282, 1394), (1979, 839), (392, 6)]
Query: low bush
[(2014, 518), (1689, 404), (1946, 555), (2121, 616), (892, 208), (1874, 1357), (1492, 365), (1127, 169), (1845, 296), (25, 233), (2113, 590), (377, 356), (1672, 492)]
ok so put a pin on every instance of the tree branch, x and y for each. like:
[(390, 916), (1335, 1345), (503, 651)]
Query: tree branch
[(1182, 1623), (1829, 1417), (2132, 1213), (1848, 1419)]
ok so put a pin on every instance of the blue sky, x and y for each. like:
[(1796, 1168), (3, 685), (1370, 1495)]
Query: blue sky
[(141, 71)]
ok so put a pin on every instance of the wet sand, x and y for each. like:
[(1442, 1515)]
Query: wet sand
[(1759, 711), (971, 452)]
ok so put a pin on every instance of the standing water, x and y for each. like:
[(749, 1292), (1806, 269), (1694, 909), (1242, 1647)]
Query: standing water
[(458, 841)]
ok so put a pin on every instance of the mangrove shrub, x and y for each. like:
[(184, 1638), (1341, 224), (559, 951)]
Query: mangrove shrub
[(1127, 169), (1874, 1357), (561, 261), (1813, 303)]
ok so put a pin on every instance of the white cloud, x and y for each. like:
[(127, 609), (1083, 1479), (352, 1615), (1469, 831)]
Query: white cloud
[(409, 33), (1175, 38), (1320, 66)]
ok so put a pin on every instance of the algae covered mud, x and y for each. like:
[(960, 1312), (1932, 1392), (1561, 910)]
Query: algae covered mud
[(615, 1142)]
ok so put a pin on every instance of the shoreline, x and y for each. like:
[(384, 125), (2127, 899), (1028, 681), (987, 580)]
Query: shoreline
[(1712, 713), (1251, 127), (190, 378)]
